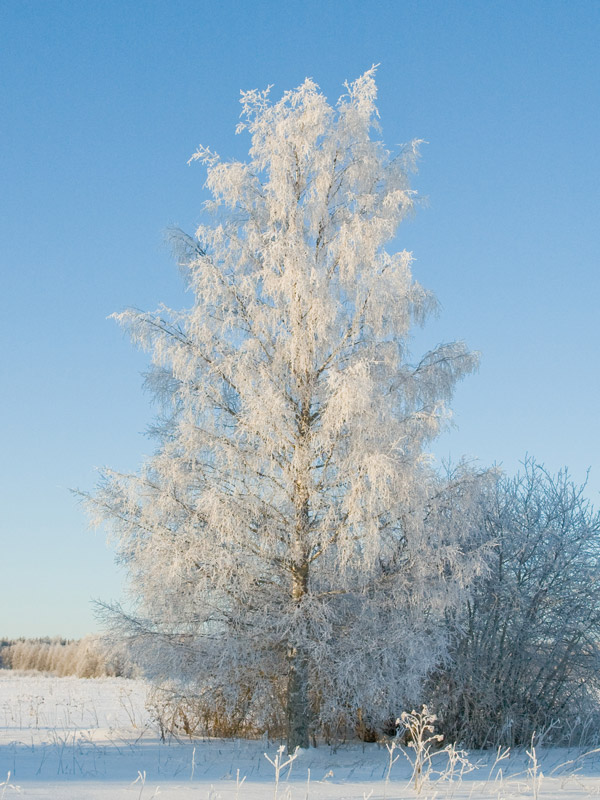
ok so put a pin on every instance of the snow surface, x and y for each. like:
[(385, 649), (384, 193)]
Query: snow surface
[(80, 739)]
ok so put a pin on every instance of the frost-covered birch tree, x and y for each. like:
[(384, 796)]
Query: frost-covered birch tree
[(290, 552)]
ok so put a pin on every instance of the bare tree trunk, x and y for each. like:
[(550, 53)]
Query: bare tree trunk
[(298, 701)]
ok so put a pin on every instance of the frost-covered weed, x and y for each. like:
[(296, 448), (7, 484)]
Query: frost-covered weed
[(423, 745), (6, 785), (280, 762)]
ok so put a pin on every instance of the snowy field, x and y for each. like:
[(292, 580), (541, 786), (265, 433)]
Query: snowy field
[(74, 739)]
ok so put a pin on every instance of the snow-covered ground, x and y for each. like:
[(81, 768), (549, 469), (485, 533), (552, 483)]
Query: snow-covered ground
[(80, 739)]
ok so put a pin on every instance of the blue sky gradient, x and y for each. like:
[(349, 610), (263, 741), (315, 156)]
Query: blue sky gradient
[(102, 105)]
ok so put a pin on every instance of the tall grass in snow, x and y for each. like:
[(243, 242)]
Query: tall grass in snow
[(84, 658)]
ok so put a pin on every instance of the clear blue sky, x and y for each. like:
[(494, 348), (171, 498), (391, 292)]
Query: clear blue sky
[(103, 103)]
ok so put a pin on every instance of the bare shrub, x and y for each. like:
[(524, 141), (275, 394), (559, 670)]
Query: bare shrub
[(178, 713), (529, 655)]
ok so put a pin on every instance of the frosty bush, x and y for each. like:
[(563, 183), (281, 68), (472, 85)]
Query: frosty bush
[(291, 554), (530, 654)]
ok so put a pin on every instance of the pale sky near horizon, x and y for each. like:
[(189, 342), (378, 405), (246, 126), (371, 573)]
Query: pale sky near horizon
[(102, 105)]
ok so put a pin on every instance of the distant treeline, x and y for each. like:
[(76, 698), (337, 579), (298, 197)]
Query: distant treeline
[(84, 658)]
